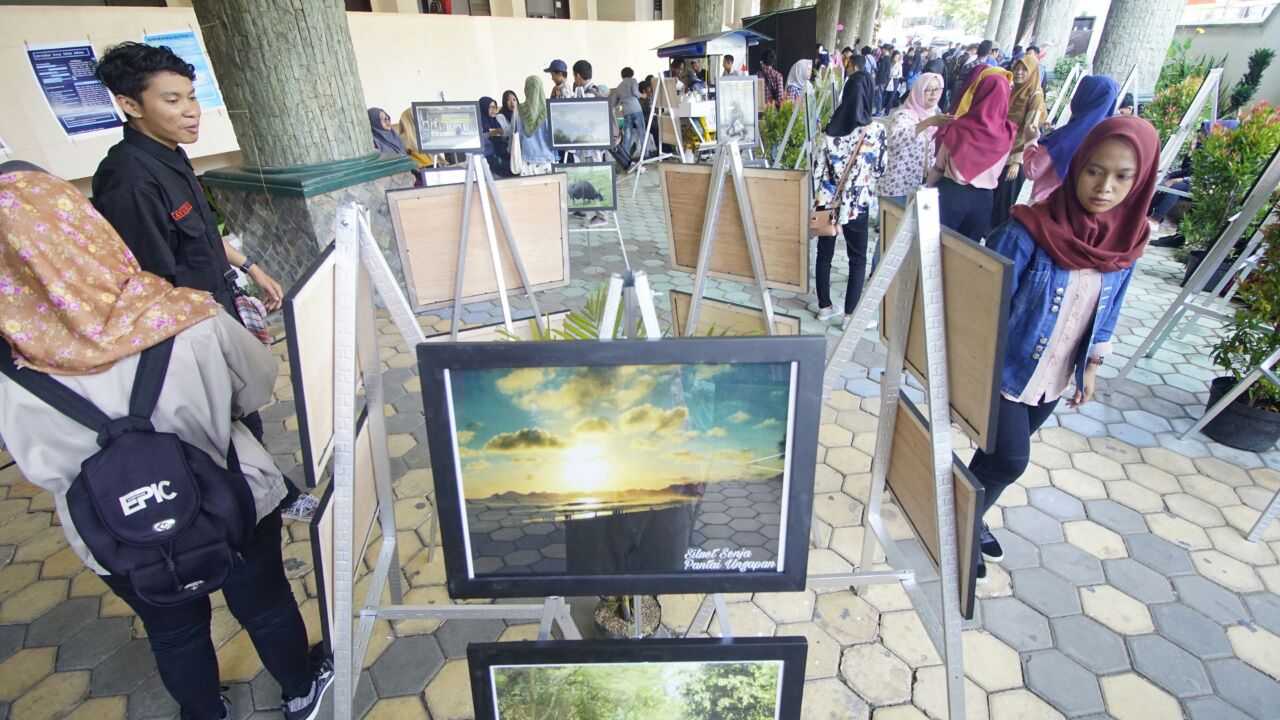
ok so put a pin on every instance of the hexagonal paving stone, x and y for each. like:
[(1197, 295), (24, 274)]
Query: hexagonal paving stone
[(1159, 555), (1265, 609), (1257, 647), (1244, 687), (1115, 516), (1094, 539), (1212, 708), (830, 699), (1033, 525), (1067, 686), (1226, 571), (1137, 580), (1130, 697), (1072, 563), (455, 636), (406, 666), (847, 617), (152, 700), (1116, 610), (124, 670), (94, 643), (878, 676), (1194, 632), (930, 694), (449, 693), (1091, 644), (1169, 666), (990, 663), (1046, 592), (1018, 625), (787, 607), (1055, 503), (1018, 553), (1081, 485)]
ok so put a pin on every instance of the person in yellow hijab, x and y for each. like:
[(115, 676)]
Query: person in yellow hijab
[(1027, 110), (965, 100)]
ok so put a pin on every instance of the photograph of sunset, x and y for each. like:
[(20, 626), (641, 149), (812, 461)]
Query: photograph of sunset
[(636, 468)]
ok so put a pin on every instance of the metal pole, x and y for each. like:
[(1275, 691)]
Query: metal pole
[(511, 245), (1173, 146), (711, 218), (752, 236), (482, 189), (463, 240)]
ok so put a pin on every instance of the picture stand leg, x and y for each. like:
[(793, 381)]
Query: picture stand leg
[(511, 247), (781, 150), (615, 229), (630, 291), (1190, 121), (712, 603), (1265, 519)]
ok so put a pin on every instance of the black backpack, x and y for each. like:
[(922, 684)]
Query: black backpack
[(151, 508)]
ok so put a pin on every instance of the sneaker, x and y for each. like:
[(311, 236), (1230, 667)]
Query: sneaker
[(307, 707), (982, 572), (844, 324), (303, 509), (1175, 240), (991, 549), (827, 313)]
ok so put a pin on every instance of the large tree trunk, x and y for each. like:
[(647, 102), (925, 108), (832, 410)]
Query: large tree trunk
[(850, 16), (1053, 29), (698, 17), (867, 22), (768, 6), (288, 73), (1006, 34), (1027, 23), (1137, 32), (993, 20), (827, 14)]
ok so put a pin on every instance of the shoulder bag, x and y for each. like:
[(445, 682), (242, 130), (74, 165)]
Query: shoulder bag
[(825, 221)]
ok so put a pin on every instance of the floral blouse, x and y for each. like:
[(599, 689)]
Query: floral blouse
[(907, 157), (828, 166)]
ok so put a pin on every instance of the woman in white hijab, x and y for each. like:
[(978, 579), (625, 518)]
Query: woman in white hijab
[(798, 78)]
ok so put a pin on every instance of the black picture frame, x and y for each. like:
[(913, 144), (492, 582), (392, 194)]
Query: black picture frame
[(592, 115), (434, 177), (464, 115), (486, 659), (804, 354), (590, 175), (310, 455)]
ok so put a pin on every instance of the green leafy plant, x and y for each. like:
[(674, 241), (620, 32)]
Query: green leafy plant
[(1259, 60), (1253, 333), (1061, 70), (1166, 109), (774, 125), (1178, 66), (1224, 169)]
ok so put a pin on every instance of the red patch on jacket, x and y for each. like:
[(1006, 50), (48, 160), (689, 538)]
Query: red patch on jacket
[(181, 212)]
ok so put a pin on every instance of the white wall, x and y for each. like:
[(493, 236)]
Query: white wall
[(1237, 42), (402, 58)]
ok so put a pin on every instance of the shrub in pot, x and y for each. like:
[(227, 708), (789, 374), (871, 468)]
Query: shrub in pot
[(1166, 109), (1252, 422)]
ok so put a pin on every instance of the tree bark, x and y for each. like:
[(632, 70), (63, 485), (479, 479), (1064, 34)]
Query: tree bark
[(827, 14), (1027, 23), (768, 6), (1053, 29), (288, 74), (850, 16), (867, 22), (993, 20), (698, 17), (1138, 32), (1007, 32)]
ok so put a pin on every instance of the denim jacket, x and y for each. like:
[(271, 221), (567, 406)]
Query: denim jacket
[(535, 149), (1038, 287)]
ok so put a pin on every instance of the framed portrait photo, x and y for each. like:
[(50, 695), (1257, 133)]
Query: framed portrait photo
[(677, 679), (580, 123), (608, 468), (445, 127), (736, 117), (592, 186)]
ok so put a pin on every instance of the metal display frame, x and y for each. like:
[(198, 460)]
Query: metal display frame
[(914, 257), (1207, 93), (1063, 100), (1129, 81), (356, 251), (661, 100)]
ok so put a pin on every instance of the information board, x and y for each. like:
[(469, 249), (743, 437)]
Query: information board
[(64, 72), (186, 45)]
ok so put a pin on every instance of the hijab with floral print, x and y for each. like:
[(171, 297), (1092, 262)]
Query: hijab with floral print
[(73, 299)]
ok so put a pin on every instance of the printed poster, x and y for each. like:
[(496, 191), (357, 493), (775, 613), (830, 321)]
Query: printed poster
[(64, 72), (187, 46)]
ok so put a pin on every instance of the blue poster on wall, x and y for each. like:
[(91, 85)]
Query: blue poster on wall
[(186, 45), (65, 74)]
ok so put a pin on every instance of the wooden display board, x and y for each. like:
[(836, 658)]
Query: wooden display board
[(494, 333), (427, 223), (308, 322), (910, 478), (977, 284), (779, 202), (726, 318), (364, 514)]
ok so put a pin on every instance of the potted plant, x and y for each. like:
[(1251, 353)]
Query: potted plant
[(774, 125), (1166, 109), (1252, 422)]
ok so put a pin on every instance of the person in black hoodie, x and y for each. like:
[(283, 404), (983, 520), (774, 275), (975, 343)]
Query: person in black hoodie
[(884, 74)]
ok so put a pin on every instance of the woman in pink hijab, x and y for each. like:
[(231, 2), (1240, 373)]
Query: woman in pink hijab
[(909, 148)]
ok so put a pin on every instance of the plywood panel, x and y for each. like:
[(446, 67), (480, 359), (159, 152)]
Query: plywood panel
[(364, 513), (727, 318), (428, 221), (779, 203), (911, 480), (976, 286), (494, 333)]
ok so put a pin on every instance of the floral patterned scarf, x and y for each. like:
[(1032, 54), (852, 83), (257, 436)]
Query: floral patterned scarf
[(73, 299)]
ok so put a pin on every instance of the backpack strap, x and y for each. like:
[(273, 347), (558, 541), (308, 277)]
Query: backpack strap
[(53, 393)]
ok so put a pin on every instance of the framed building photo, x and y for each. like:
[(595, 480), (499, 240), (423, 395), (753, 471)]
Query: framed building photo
[(674, 679), (736, 117), (448, 127), (580, 123), (588, 468), (592, 186), (434, 177)]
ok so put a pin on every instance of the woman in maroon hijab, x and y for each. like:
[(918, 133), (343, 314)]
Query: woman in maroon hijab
[(1073, 258)]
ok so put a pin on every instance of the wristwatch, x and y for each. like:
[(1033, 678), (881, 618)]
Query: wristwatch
[(248, 263), (1094, 361)]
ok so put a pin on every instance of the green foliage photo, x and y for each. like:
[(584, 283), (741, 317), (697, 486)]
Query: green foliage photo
[(1253, 333)]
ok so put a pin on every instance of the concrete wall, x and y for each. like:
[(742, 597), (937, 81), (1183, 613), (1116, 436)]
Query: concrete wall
[(402, 57), (1236, 42)]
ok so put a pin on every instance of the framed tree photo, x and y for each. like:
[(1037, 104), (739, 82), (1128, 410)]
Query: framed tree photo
[(448, 127), (580, 123), (592, 186), (736, 116), (757, 678), (592, 468)]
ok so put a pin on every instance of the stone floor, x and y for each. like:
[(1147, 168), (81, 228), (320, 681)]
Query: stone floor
[(1127, 590)]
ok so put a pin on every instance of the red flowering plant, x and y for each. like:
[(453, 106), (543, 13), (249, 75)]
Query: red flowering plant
[(1166, 109)]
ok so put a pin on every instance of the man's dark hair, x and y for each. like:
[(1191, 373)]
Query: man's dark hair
[(768, 57), (971, 46), (866, 49), (858, 63), (677, 63), (1033, 49), (729, 58), (847, 49), (127, 68), (1017, 49), (984, 48), (628, 72), (582, 68)]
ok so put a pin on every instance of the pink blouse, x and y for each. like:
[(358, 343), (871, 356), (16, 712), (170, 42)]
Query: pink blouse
[(1057, 354), (1037, 165), (987, 179)]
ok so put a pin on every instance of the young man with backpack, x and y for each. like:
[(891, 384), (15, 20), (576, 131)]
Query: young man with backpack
[(117, 393)]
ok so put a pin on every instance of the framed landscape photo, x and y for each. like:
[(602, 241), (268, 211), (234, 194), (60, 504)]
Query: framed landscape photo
[(756, 678), (580, 123), (736, 117), (590, 468), (592, 186), (445, 127)]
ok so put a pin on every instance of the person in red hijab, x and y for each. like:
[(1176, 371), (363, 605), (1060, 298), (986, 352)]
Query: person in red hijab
[(1073, 257), (971, 155)]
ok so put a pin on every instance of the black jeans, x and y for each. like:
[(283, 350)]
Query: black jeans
[(1006, 196), (259, 596), (855, 243), (1163, 202), (965, 208), (1003, 466)]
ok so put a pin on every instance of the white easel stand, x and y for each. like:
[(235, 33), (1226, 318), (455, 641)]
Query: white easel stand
[(354, 246), (1068, 90), (1208, 93), (615, 229), (914, 256), (660, 100)]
